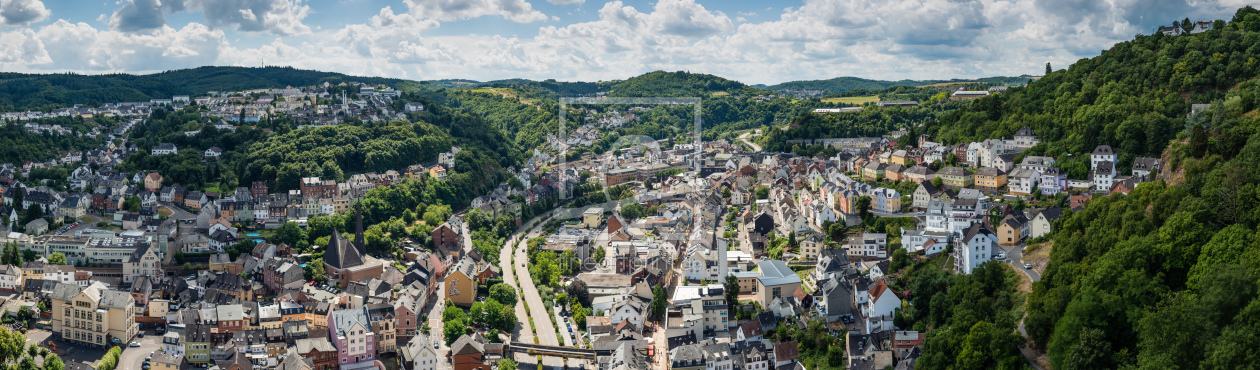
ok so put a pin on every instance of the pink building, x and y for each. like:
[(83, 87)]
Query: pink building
[(351, 333)]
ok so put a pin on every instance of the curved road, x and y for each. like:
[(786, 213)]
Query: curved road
[(744, 138)]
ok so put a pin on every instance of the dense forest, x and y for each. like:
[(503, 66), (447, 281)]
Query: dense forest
[(1167, 276), (203, 79), (20, 145)]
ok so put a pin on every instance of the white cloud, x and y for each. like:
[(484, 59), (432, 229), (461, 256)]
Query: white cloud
[(815, 39), (278, 17), (519, 11), (22, 12), (566, 2), (139, 15)]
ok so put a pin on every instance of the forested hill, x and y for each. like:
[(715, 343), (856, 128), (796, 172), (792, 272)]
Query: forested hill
[(22, 91), (1169, 275), (202, 79), (676, 84), (842, 84)]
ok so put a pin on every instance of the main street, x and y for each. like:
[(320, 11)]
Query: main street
[(543, 328), (522, 332)]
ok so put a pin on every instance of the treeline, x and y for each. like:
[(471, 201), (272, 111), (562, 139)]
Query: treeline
[(21, 91), (843, 84), (214, 78)]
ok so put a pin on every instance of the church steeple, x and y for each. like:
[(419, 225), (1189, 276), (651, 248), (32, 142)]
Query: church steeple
[(358, 229)]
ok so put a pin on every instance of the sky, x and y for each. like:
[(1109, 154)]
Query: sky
[(583, 40)]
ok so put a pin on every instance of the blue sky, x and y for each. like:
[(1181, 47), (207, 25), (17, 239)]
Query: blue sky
[(751, 41)]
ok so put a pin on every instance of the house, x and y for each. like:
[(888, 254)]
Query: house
[(11, 278), (886, 200), (1012, 230), (923, 194), (1023, 181), (1144, 166), (1101, 153), (419, 354), (213, 153), (833, 300), (352, 336), (470, 352), (1052, 181), (37, 227), (461, 283), (990, 179), (812, 245), (881, 301), (867, 246), (956, 177), (1103, 176), (1043, 222), (975, 248), (153, 182), (165, 148)]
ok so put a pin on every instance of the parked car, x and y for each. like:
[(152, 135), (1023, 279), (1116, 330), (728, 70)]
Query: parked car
[(1028, 266), (135, 344), (1001, 256), (435, 344), (141, 335)]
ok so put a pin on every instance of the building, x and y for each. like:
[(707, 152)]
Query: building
[(592, 217), (165, 148), (776, 280), (11, 278), (1043, 222), (144, 262), (620, 175), (1102, 153), (461, 282), (968, 95), (346, 261), (419, 354), (975, 248), (385, 325), (319, 350), (167, 361), (990, 179), (94, 316), (955, 177), (351, 334), (1144, 166)]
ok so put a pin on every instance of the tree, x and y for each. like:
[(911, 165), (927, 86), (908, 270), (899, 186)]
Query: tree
[(579, 315), (1198, 141), (1187, 25), (53, 362), (599, 254), (937, 182), (659, 302), (731, 290), (864, 206), (31, 351), (900, 259), (314, 272), (27, 363), (578, 291), (503, 293), (11, 255), (763, 192), (1048, 70), (507, 364), (57, 258), (132, 204), (454, 322)]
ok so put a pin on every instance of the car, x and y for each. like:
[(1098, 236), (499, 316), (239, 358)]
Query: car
[(1028, 266), (141, 335), (135, 344), (1001, 256), (435, 344)]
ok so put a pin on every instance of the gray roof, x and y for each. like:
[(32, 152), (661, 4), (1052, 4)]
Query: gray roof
[(65, 292), (344, 319), (775, 272), (116, 299), (1103, 150), (314, 344)]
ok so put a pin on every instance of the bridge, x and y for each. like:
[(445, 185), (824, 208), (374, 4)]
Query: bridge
[(541, 350)]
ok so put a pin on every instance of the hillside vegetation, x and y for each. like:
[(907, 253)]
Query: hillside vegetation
[(842, 84), (1165, 277)]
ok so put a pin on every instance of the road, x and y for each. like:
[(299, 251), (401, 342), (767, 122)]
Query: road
[(522, 332), (87, 221), (435, 307), (544, 329), (178, 213), (744, 138), (1015, 257)]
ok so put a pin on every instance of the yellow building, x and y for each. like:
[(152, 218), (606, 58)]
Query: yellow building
[(94, 316), (990, 179), (956, 177), (592, 217), (461, 283)]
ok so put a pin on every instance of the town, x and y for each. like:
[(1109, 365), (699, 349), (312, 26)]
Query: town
[(654, 254)]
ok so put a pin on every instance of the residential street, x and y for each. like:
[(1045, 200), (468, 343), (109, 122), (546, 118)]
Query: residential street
[(1015, 257), (178, 213)]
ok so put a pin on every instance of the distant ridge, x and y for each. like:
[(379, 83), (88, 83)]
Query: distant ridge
[(842, 84)]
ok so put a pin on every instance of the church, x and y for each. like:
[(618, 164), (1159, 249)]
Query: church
[(347, 261)]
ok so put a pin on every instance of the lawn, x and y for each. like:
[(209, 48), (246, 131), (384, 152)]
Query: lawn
[(804, 274), (858, 100)]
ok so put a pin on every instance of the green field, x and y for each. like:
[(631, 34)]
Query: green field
[(853, 100)]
